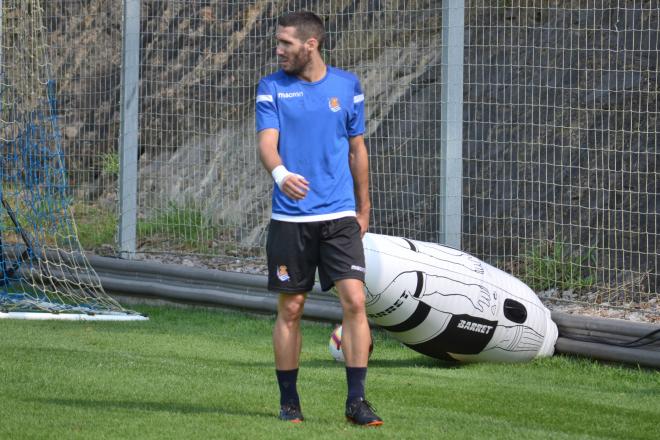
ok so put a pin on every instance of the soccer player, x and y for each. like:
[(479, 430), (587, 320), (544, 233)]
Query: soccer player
[(310, 124)]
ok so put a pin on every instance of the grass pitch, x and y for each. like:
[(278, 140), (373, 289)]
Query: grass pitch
[(205, 374)]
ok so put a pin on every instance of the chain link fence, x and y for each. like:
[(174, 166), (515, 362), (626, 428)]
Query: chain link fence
[(560, 131)]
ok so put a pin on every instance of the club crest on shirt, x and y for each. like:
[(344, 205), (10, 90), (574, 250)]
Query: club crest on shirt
[(282, 273), (334, 105)]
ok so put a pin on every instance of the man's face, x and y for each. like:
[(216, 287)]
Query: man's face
[(293, 53)]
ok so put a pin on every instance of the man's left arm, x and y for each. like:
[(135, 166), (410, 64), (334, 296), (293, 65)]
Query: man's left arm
[(359, 163)]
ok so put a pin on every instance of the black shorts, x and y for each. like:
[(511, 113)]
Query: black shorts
[(295, 250)]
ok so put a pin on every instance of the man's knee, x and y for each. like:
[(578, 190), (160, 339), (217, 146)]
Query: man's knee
[(354, 305), (290, 307), (351, 294)]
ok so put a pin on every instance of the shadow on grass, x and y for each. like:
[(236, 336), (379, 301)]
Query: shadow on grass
[(191, 362), (170, 407), (421, 362)]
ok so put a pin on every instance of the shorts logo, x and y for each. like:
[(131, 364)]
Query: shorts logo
[(358, 268), (334, 105), (282, 273)]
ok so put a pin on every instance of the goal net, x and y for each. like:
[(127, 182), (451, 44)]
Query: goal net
[(43, 270)]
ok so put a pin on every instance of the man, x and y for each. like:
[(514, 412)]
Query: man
[(310, 123)]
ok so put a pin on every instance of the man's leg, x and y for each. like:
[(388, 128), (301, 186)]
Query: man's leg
[(356, 336), (287, 342), (287, 338), (355, 341)]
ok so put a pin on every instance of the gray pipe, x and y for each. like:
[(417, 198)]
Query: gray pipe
[(611, 339), (636, 356), (603, 325), (249, 283), (317, 309), (248, 292)]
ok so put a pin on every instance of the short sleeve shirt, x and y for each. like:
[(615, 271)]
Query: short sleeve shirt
[(315, 121)]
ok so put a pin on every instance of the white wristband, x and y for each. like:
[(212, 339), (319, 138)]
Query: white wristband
[(279, 173)]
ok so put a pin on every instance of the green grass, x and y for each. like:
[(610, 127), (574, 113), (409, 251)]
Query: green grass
[(192, 373), (551, 264), (188, 226), (96, 226), (182, 229), (186, 229)]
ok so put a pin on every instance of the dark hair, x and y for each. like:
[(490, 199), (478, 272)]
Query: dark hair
[(307, 25)]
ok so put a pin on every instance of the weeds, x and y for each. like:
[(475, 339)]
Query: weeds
[(553, 264)]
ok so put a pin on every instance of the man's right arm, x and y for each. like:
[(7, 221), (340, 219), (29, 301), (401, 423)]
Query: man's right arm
[(292, 185), (268, 154)]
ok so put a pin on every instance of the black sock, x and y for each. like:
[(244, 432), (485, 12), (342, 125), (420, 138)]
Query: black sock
[(287, 379), (355, 377)]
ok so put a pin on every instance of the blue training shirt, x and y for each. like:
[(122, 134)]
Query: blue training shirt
[(315, 121)]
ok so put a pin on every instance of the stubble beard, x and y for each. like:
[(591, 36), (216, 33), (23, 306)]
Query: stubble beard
[(298, 63)]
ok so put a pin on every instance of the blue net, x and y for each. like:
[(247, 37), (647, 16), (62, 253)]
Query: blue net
[(42, 265)]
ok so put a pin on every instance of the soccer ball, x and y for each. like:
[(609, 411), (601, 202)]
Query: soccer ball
[(334, 345)]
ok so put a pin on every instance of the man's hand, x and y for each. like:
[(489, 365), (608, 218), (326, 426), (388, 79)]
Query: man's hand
[(295, 186), (291, 184), (363, 221)]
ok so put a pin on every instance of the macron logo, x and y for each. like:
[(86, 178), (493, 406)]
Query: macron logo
[(285, 95)]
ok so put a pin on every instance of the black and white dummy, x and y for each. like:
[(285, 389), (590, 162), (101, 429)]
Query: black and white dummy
[(450, 305)]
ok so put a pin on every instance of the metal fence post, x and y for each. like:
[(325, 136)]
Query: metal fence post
[(128, 148), (451, 190)]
